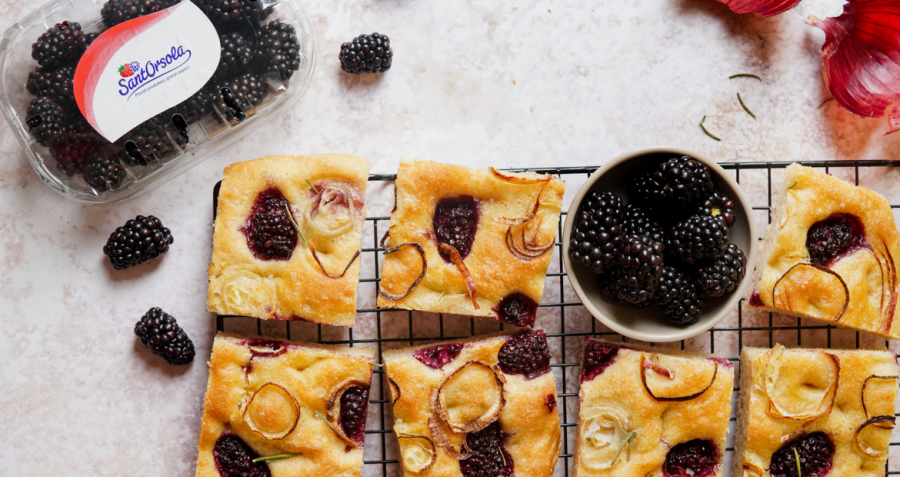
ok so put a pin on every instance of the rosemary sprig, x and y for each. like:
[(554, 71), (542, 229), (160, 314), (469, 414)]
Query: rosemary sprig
[(502, 456), (296, 227), (439, 298), (706, 131), (630, 445), (273, 458), (311, 186), (622, 446), (793, 185), (823, 103), (797, 459), (326, 420), (745, 75), (745, 106), (375, 365)]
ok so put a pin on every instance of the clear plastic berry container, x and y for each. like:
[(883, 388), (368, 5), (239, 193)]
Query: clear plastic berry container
[(68, 103)]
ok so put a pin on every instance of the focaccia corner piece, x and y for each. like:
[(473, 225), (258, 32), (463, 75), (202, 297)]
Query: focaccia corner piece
[(480, 406), (305, 403), (830, 254), (470, 242), (261, 266), (833, 409), (652, 411)]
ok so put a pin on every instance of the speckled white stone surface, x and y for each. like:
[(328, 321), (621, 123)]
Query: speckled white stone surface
[(508, 84)]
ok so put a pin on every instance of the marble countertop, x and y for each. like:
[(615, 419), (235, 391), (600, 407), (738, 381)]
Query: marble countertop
[(529, 83)]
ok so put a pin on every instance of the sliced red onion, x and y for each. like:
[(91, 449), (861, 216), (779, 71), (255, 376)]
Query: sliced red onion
[(315, 256), (766, 8), (394, 297), (463, 270), (862, 58)]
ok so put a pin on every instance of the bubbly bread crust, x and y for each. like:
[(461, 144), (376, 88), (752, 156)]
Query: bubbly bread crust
[(857, 291), (497, 273), (242, 284), (529, 417), (659, 425), (309, 373), (759, 433)]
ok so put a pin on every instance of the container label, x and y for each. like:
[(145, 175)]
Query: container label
[(142, 67)]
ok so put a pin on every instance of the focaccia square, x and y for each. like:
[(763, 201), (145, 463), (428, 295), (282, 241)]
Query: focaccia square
[(262, 266), (470, 242), (834, 408), (830, 254), (305, 403), (652, 411), (485, 404)]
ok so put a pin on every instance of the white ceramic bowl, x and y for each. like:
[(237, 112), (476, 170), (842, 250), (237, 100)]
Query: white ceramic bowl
[(649, 324)]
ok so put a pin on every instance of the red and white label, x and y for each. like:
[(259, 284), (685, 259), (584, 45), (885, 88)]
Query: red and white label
[(142, 67)]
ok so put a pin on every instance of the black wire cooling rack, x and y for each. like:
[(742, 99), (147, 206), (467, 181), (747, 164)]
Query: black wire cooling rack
[(564, 318)]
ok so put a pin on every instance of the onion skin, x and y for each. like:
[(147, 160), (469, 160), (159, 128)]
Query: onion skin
[(862, 58), (766, 8), (463, 270)]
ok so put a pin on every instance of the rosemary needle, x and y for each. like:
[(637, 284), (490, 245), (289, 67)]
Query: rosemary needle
[(502, 456), (745, 106), (797, 459), (311, 186), (272, 458), (622, 446), (706, 131), (744, 75), (296, 227), (326, 420), (375, 365), (823, 103)]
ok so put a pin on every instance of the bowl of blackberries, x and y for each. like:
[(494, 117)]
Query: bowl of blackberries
[(659, 244)]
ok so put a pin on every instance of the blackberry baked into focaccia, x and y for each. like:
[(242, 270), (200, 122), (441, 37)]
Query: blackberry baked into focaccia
[(830, 254), (305, 403), (480, 406), (832, 409), (470, 242), (652, 411), (287, 238)]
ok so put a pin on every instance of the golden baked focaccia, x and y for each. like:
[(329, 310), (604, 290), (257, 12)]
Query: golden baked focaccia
[(470, 242), (262, 266), (480, 406), (305, 403), (830, 254), (833, 409), (653, 411)]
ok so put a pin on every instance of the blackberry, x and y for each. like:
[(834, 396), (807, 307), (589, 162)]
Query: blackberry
[(644, 190), (815, 450), (597, 357), (487, 461), (697, 458), (438, 356), (829, 239), (237, 97), (724, 273), (278, 51), (717, 204), (118, 11), (636, 222), (193, 108), (236, 54), (640, 262), (102, 169), (354, 408), (150, 140), (47, 120), (526, 354), (234, 12), (139, 240), (234, 458), (71, 150), (90, 37), (269, 231), (160, 333), (697, 238), (678, 182), (62, 44), (56, 84), (367, 54), (678, 297), (517, 309), (597, 231), (455, 222)]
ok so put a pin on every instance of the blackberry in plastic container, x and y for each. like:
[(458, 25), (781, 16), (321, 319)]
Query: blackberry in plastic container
[(139, 240), (150, 141), (596, 234), (723, 274), (278, 52), (367, 54), (47, 120), (718, 204), (237, 97), (102, 169), (55, 84), (118, 11), (70, 151), (193, 108), (640, 263), (697, 238), (236, 54), (234, 13), (62, 44), (635, 221), (678, 297), (160, 333)]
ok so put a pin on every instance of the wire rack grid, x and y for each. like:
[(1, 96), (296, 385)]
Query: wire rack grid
[(564, 318)]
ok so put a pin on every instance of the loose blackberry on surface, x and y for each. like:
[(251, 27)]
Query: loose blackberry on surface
[(678, 297), (160, 333), (597, 231), (367, 54), (718, 204), (697, 238), (278, 53), (723, 274), (640, 263), (62, 44), (139, 240)]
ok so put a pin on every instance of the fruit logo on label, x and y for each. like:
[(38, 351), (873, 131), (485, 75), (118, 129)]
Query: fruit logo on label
[(142, 67)]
